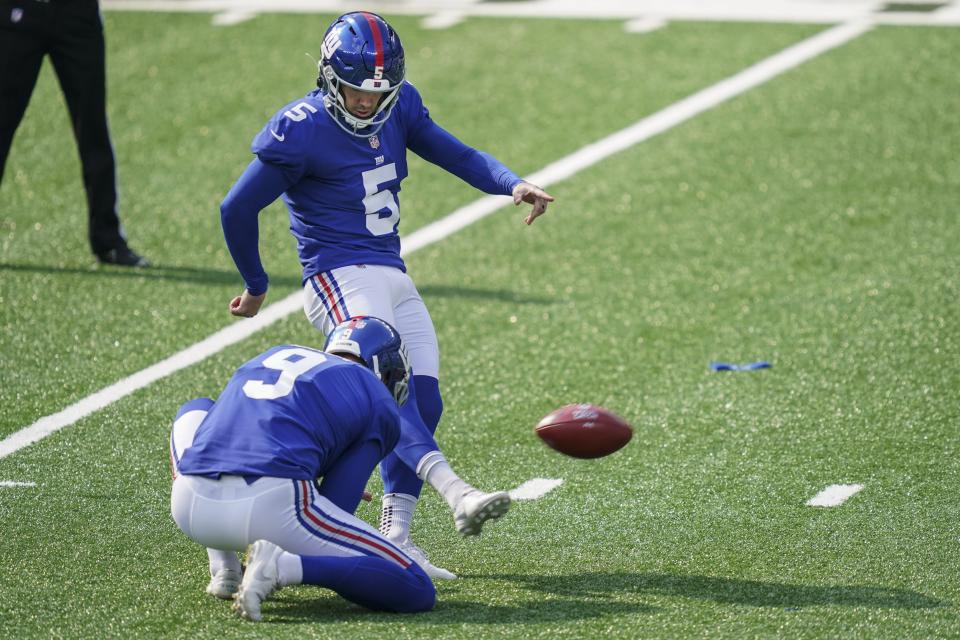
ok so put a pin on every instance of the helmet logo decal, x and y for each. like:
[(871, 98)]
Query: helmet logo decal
[(330, 44)]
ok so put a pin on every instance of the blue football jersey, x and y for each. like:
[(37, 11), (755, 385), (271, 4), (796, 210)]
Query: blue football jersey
[(291, 412), (343, 191)]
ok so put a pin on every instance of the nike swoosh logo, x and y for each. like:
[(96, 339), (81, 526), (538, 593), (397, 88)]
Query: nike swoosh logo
[(279, 138)]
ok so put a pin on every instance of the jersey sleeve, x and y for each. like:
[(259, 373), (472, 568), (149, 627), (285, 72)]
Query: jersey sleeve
[(434, 144), (283, 157), (259, 185)]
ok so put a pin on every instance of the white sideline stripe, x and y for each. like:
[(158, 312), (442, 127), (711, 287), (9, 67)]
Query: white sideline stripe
[(535, 488), (776, 11), (14, 483), (644, 25), (834, 495), (443, 20), (587, 156), (230, 18)]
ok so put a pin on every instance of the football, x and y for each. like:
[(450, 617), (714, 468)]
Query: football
[(584, 431)]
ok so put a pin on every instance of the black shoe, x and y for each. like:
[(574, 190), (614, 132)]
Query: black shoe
[(124, 257)]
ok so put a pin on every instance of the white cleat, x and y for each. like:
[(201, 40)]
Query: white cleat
[(259, 580), (475, 508), (224, 583), (417, 554)]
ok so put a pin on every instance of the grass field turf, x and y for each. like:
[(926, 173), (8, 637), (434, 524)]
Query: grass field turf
[(810, 222)]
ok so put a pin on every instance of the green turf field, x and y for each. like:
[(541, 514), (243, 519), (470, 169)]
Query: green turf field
[(811, 222)]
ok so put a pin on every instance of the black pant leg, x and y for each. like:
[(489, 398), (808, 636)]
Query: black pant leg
[(78, 54), (22, 47)]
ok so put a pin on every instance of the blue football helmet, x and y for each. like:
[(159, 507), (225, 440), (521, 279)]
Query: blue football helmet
[(380, 348), (360, 50)]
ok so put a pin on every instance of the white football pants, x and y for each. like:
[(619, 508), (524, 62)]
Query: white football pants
[(230, 514), (388, 293)]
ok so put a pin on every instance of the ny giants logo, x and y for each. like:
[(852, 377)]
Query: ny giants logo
[(330, 44)]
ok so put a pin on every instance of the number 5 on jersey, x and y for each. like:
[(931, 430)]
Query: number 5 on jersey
[(376, 201), (297, 113)]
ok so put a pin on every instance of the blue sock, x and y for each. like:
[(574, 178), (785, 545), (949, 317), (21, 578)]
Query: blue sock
[(371, 582), (429, 402), (398, 469)]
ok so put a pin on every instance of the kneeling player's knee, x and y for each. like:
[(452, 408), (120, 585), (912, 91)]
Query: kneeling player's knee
[(422, 595), (427, 600)]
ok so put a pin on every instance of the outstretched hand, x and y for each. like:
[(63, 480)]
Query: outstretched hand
[(246, 304), (531, 194)]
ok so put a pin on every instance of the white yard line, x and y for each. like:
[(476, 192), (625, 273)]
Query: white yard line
[(646, 128), (14, 483), (535, 488), (586, 157), (191, 355), (834, 495)]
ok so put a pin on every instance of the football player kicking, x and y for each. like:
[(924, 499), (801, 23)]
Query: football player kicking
[(337, 156), (245, 470)]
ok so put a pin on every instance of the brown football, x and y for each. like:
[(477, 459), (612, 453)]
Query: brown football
[(584, 431)]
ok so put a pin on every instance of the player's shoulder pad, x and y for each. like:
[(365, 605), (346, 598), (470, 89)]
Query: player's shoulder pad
[(409, 96), (288, 347), (410, 105), (291, 129)]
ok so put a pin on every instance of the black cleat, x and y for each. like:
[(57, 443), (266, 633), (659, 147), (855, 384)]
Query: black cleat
[(124, 257)]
